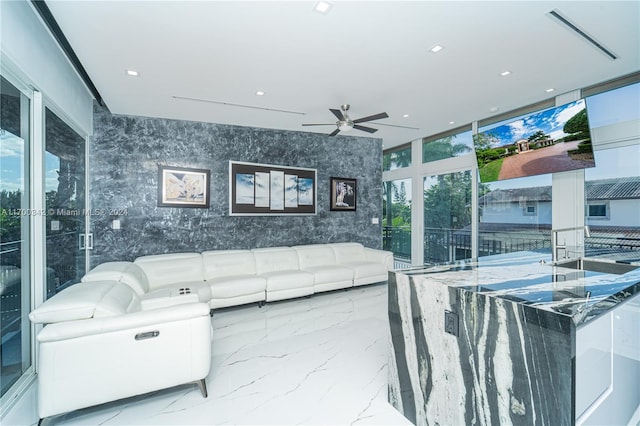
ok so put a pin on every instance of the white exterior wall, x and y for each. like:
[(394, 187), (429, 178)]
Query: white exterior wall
[(621, 213), (514, 213)]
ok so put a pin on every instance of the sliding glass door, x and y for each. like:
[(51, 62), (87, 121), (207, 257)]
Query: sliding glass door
[(64, 175), (15, 214)]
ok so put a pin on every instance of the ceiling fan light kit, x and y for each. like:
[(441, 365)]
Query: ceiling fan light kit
[(345, 123)]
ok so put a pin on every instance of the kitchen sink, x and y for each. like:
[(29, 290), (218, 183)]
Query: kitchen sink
[(596, 265)]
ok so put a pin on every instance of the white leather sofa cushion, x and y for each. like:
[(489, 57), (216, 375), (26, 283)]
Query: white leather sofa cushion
[(231, 274), (87, 300), (240, 285), (175, 271), (224, 263), (165, 269), (320, 260), (348, 252), (275, 259), (367, 270), (125, 272), (287, 280), (280, 267)]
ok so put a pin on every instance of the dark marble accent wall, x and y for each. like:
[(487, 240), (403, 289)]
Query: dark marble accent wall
[(123, 172), (509, 364)]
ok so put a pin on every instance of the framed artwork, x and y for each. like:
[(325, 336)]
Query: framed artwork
[(183, 187), (343, 194), (267, 189)]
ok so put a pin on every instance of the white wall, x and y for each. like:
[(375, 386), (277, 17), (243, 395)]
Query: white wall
[(514, 213), (621, 213), (31, 54)]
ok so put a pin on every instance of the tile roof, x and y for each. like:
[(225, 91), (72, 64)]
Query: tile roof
[(603, 189)]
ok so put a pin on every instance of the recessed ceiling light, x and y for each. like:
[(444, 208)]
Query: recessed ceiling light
[(406, 115), (452, 122), (259, 93), (549, 90), (493, 109), (132, 73), (505, 73), (322, 7), (436, 48)]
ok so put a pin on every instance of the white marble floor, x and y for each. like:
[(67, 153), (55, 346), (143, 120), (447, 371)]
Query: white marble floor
[(318, 360)]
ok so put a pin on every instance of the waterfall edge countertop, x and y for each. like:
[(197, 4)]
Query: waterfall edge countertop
[(514, 340), (531, 279)]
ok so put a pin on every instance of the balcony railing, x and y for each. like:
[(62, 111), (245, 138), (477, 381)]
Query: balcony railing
[(397, 239), (447, 245)]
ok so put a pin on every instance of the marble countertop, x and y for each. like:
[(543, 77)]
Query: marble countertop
[(530, 278)]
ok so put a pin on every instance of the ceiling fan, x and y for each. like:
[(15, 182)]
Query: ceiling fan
[(345, 123)]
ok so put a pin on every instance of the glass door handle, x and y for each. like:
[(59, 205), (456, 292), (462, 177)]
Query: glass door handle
[(85, 241)]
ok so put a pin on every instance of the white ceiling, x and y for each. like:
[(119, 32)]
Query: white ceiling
[(373, 55)]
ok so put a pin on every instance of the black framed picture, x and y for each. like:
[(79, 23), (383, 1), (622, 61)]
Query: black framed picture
[(183, 187), (343, 194), (268, 189)]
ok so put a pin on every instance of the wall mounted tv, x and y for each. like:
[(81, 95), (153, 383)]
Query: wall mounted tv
[(548, 141)]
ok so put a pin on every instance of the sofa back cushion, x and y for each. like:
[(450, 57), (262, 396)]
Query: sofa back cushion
[(227, 263), (166, 269), (315, 255), (135, 277), (275, 259), (125, 272), (348, 252), (87, 300)]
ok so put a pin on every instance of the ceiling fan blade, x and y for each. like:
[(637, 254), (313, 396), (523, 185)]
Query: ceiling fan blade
[(319, 124), (338, 114), (335, 132), (365, 129), (372, 117)]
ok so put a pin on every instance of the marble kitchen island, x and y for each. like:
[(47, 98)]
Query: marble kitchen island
[(513, 339)]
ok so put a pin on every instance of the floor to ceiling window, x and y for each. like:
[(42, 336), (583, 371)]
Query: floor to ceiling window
[(396, 203), (396, 219), (612, 188), (447, 217), (15, 213), (447, 198), (517, 214)]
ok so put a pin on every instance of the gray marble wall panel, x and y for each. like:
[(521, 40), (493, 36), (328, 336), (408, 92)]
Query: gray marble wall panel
[(123, 165)]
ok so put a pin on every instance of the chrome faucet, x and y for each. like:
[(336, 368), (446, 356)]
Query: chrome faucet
[(557, 247)]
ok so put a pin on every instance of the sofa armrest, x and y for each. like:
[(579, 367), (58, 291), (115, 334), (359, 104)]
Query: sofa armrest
[(379, 256), (165, 297), (95, 326)]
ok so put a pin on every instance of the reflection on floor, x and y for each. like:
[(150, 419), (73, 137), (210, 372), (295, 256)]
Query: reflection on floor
[(317, 360)]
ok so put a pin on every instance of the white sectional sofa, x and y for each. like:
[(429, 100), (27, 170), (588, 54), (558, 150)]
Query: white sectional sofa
[(225, 278), (134, 327)]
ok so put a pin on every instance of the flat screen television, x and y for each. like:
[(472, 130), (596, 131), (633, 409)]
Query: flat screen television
[(548, 141)]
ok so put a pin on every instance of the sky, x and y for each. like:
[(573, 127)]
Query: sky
[(550, 121), (12, 167)]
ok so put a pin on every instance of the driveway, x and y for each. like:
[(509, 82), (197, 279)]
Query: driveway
[(540, 161)]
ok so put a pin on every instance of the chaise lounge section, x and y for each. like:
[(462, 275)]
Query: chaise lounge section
[(99, 344)]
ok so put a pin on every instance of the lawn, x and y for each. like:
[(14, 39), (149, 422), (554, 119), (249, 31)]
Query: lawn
[(491, 171)]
